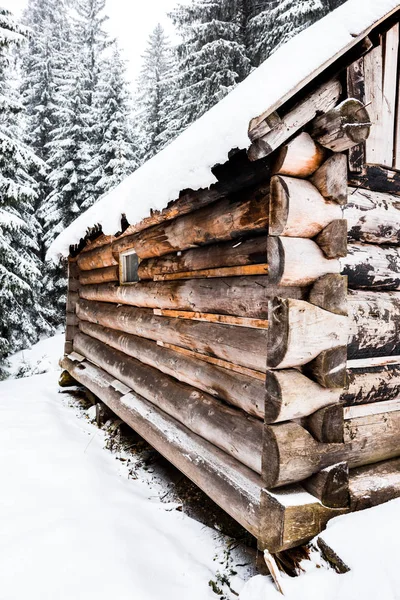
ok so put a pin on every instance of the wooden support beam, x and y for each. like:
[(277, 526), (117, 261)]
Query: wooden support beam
[(342, 127), (213, 318), (330, 293), (372, 267), (373, 217), (333, 239), (238, 296), (372, 380), (301, 157), (225, 427), (288, 256), (291, 395), (330, 486), (299, 331), (225, 254), (227, 219), (374, 322), (331, 179), (98, 258), (326, 424), (371, 485), (235, 388), (247, 348), (320, 100), (261, 269), (106, 275)]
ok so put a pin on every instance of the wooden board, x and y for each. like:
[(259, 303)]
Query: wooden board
[(373, 76), (390, 85)]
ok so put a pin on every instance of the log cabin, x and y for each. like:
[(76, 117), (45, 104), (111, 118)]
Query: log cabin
[(236, 300)]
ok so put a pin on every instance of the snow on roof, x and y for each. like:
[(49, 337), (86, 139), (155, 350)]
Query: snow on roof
[(186, 163)]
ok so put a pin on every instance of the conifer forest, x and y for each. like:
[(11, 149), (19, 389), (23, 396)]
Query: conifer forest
[(72, 126)]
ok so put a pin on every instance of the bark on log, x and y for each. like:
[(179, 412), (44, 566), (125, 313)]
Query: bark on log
[(372, 266), (239, 390), (239, 296), (374, 324), (299, 331), (290, 395), (330, 486), (227, 428), (292, 454), (331, 179), (342, 127), (299, 158), (98, 258), (297, 261), (225, 254), (225, 220), (234, 344), (368, 383), (373, 217), (106, 275), (231, 485), (333, 239), (374, 484), (298, 209)]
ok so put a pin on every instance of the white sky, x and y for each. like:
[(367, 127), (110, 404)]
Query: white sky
[(131, 22)]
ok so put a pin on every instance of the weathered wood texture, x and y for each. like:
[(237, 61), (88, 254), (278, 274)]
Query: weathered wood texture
[(73, 286), (243, 347), (326, 424), (329, 368), (373, 217), (98, 258), (292, 454), (320, 100), (389, 93), (331, 179), (356, 89), (301, 157), (333, 239), (298, 209), (231, 485), (374, 484), (374, 324), (342, 127), (225, 220), (300, 331), (246, 270), (330, 293), (377, 179), (106, 275), (372, 383), (373, 76), (213, 318), (239, 390), (330, 486), (372, 266), (227, 428), (239, 296), (225, 254)]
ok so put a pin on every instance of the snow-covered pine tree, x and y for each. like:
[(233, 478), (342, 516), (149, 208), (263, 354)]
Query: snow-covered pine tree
[(212, 59), (21, 318), (153, 86), (116, 155)]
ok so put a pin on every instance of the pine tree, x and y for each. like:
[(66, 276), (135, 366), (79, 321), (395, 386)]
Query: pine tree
[(212, 59), (116, 156), (20, 280), (153, 87)]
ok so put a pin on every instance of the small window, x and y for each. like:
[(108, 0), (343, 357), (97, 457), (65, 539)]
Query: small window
[(129, 267)]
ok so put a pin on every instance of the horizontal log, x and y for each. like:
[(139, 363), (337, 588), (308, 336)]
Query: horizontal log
[(301, 157), (246, 348), (374, 324), (377, 179), (299, 331), (225, 254), (297, 261), (292, 454), (371, 485), (372, 266), (236, 389), (105, 275), (319, 100), (373, 217), (225, 427), (331, 179), (298, 209), (365, 410), (261, 269), (227, 219), (213, 318), (376, 383), (291, 395), (238, 296), (231, 485), (101, 240), (330, 486), (343, 126), (98, 258)]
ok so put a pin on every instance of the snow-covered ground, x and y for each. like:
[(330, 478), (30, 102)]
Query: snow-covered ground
[(74, 525)]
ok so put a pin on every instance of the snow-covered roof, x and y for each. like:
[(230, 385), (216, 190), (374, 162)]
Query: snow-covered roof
[(186, 163)]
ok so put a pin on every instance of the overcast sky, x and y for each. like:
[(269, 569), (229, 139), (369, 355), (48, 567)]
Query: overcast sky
[(131, 22)]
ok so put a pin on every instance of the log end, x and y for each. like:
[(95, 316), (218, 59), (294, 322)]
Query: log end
[(278, 331), (279, 205), (275, 259), (329, 368), (333, 239), (330, 293), (273, 398), (271, 458)]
